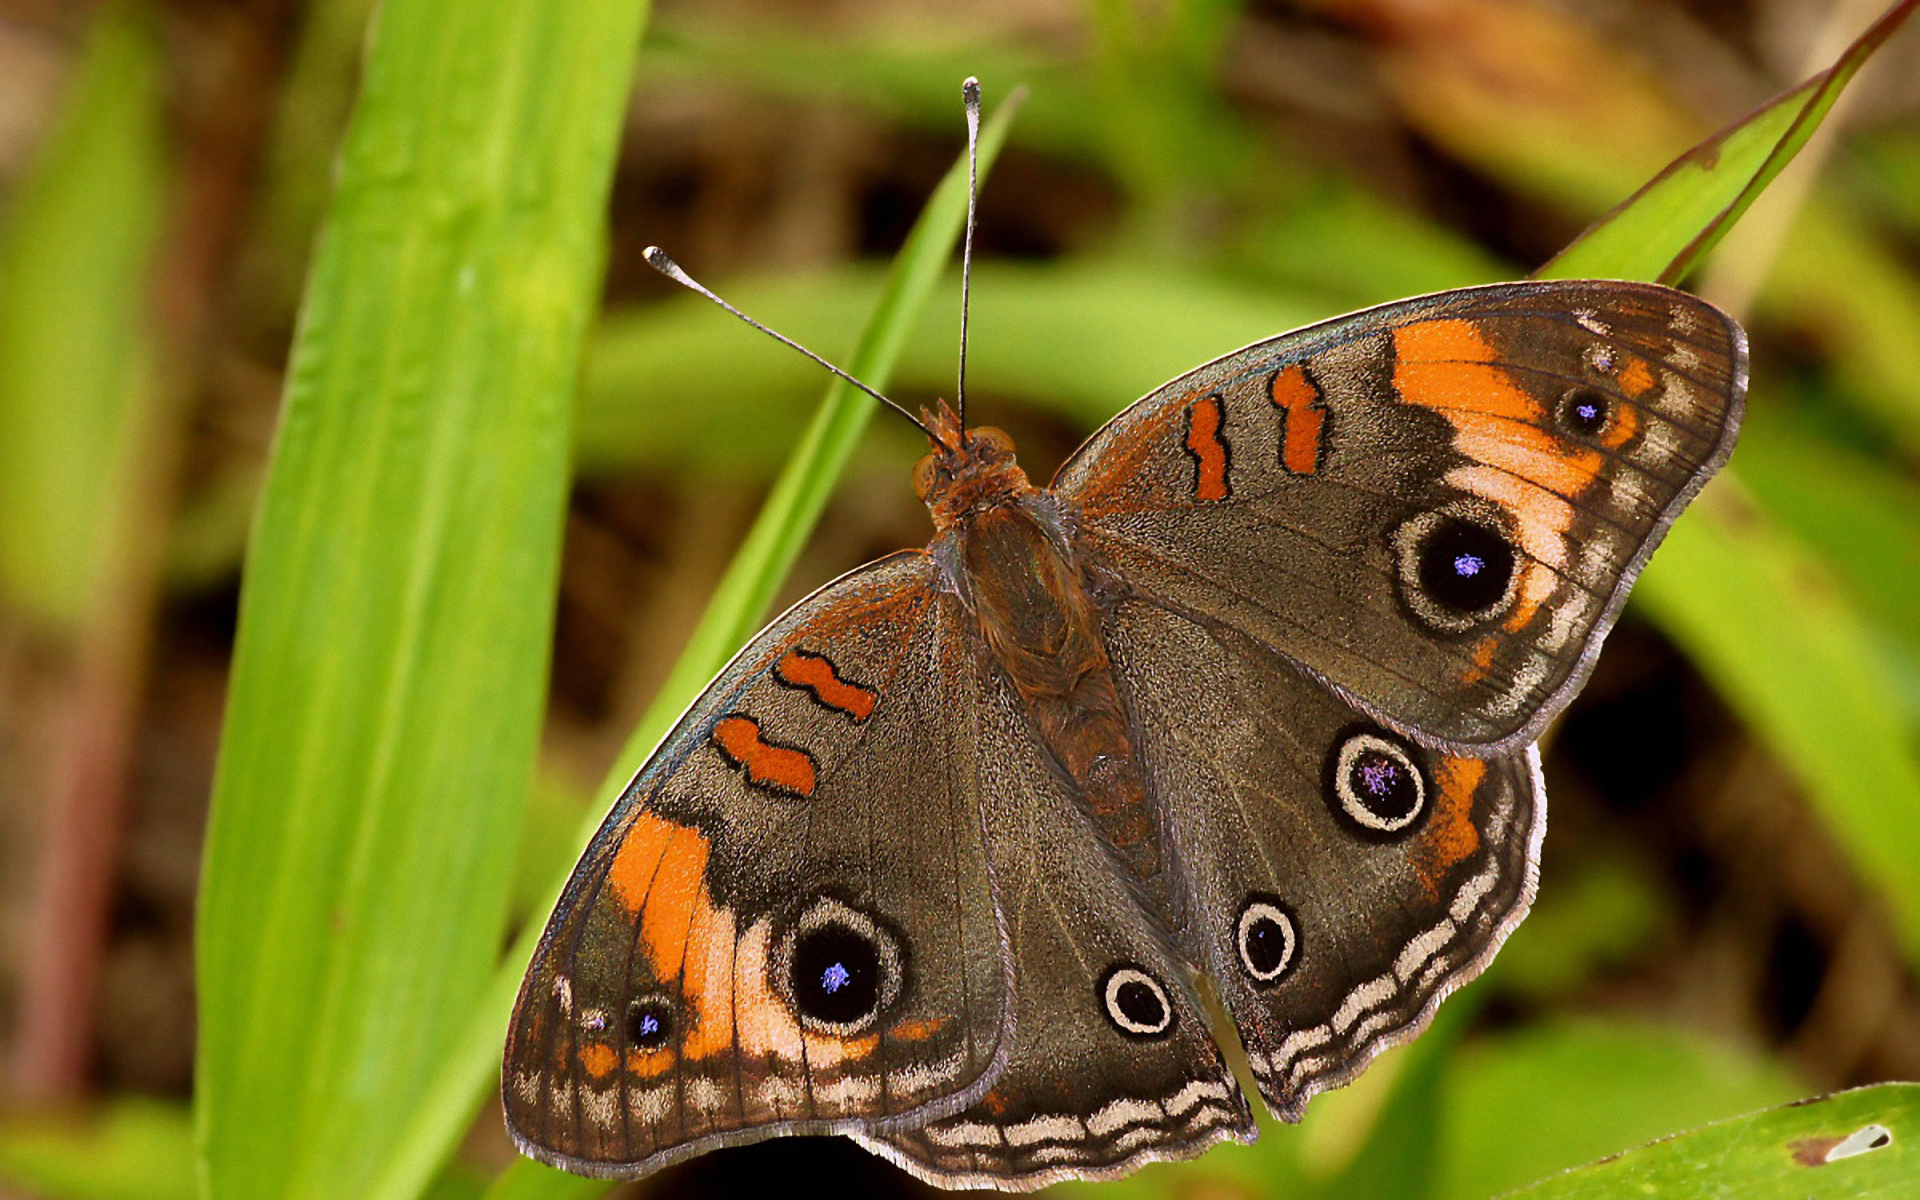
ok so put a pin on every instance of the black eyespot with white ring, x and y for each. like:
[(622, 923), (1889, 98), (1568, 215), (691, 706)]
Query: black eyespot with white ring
[(1135, 1002), (839, 968), (1376, 785), (1456, 569), (1268, 939)]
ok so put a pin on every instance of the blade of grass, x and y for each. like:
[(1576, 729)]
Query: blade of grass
[(1774, 1155), (73, 352), (737, 609), (1792, 655), (394, 624), (1663, 230)]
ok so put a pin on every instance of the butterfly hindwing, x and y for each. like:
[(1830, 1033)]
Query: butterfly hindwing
[(786, 923), (1113, 1063), (1437, 505), (1340, 879)]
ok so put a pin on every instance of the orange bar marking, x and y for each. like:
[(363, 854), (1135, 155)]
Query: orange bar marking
[(1294, 394), (816, 673), (639, 857), (781, 768), (1450, 835), (1635, 379), (678, 893), (598, 1059), (1204, 422)]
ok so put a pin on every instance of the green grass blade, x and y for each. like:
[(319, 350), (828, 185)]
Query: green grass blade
[(387, 683), (735, 612), (1773, 1155), (74, 378), (1663, 230), (1793, 656)]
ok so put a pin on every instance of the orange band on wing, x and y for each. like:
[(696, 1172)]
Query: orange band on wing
[(597, 1059), (1205, 419), (1635, 377), (1448, 365), (1450, 834), (781, 768), (1306, 418), (817, 674)]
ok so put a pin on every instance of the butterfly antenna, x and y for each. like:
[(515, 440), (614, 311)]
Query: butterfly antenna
[(970, 93), (658, 260)]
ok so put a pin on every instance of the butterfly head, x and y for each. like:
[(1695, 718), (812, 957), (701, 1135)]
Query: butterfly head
[(967, 470)]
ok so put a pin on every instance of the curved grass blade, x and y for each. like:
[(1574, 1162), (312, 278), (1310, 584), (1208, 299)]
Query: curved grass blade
[(1756, 611), (1663, 230), (1863, 1145), (394, 626), (735, 612)]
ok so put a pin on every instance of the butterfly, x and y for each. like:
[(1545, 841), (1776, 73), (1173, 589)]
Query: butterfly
[(1249, 692)]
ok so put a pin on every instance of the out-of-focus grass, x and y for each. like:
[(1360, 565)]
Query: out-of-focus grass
[(75, 380)]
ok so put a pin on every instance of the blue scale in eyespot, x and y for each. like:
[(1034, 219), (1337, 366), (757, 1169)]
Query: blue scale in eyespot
[(836, 977), (1469, 565), (649, 1025)]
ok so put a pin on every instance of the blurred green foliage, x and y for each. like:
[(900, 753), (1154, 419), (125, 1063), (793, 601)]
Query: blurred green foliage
[(402, 572), (75, 369)]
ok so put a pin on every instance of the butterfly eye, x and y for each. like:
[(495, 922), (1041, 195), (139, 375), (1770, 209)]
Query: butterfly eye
[(649, 1022), (1456, 571), (1135, 1002), (1584, 411), (1377, 789), (1268, 939), (840, 968)]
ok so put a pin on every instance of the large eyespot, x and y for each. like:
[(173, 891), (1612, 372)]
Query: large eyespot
[(649, 1022), (1375, 785), (839, 968), (1267, 937), (1584, 412), (1456, 570), (1135, 1002)]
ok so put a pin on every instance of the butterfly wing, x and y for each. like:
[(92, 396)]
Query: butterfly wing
[(1437, 505), (1341, 879), (1113, 1065), (786, 923)]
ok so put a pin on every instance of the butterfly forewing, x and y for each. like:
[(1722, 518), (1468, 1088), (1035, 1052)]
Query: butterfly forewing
[(1438, 505), (786, 924)]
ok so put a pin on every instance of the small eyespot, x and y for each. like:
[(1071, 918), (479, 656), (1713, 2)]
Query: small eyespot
[(1268, 939), (1584, 411), (1376, 788), (649, 1022), (1135, 1002), (839, 968)]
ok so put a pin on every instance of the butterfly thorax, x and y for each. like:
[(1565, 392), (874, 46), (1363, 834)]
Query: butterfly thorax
[(1013, 565)]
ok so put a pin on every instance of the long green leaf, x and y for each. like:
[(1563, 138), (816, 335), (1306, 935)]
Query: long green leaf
[(736, 610), (395, 617), (1861, 1145), (1663, 230)]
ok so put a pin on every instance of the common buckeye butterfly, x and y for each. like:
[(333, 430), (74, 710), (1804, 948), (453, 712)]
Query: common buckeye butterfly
[(1249, 691)]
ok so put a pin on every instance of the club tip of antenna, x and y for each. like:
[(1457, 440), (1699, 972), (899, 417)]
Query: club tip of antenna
[(658, 260), (970, 91)]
